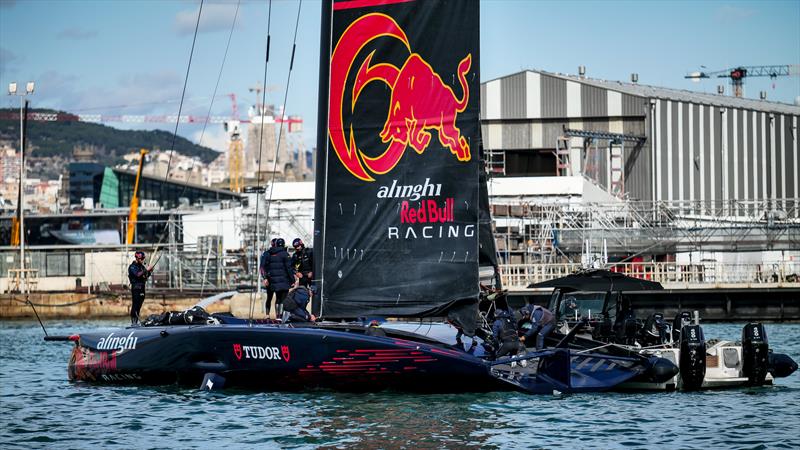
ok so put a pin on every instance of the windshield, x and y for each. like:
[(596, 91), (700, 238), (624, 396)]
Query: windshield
[(577, 305)]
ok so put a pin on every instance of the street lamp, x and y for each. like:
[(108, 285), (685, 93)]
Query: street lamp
[(12, 90)]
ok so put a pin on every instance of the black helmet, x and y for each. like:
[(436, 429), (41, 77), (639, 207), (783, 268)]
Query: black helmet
[(296, 242), (280, 243), (139, 254)]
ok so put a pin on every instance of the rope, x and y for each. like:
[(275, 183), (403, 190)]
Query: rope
[(48, 305), (280, 128), (258, 172)]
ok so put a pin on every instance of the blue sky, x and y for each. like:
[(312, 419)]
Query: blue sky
[(130, 57)]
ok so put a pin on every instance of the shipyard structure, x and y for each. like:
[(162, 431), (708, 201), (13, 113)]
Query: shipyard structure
[(694, 190)]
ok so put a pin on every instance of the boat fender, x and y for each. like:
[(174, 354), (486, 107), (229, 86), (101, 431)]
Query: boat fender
[(692, 362), (661, 370), (212, 382), (755, 353), (781, 365)]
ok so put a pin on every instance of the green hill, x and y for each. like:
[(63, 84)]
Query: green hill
[(57, 139)]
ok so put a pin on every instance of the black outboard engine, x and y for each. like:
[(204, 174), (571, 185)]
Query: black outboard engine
[(755, 353), (693, 357), (681, 319)]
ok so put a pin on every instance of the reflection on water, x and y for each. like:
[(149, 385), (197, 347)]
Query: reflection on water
[(41, 409)]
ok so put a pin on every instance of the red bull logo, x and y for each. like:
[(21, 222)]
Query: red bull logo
[(420, 101)]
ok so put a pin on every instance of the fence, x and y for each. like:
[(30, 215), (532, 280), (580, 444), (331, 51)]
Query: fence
[(669, 274)]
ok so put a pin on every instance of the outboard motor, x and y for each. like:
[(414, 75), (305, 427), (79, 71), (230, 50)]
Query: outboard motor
[(681, 319), (693, 357), (755, 353)]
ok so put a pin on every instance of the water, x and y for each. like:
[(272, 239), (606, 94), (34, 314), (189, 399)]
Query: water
[(39, 408)]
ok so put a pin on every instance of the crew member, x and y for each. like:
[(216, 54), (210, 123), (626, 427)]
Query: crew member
[(302, 262), (278, 274), (505, 333), (542, 322), (296, 303), (138, 274)]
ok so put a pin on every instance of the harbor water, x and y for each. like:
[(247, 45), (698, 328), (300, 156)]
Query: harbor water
[(41, 409)]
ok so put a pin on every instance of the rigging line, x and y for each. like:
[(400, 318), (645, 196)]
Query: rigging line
[(256, 248), (285, 97), (183, 93), (280, 127), (219, 77), (205, 124), (178, 120)]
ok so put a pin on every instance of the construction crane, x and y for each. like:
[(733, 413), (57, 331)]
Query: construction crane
[(738, 74), (235, 148), (135, 201)]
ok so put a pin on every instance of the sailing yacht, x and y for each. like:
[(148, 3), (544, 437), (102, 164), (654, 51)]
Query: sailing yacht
[(401, 231)]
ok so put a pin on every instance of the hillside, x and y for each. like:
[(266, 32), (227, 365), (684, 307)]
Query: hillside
[(56, 140)]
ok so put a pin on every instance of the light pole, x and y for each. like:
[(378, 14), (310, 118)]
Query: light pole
[(12, 90)]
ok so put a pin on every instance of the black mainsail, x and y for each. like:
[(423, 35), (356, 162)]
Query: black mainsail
[(397, 222)]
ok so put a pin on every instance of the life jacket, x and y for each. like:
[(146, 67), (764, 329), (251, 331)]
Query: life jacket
[(547, 316), (508, 331)]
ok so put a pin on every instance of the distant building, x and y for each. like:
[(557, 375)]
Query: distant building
[(113, 188), (643, 142)]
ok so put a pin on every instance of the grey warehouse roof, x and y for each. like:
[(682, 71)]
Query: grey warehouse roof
[(646, 91)]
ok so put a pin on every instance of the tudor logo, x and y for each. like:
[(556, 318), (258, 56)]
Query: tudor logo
[(256, 352), (285, 352)]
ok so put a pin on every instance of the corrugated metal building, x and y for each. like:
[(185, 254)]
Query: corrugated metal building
[(694, 146)]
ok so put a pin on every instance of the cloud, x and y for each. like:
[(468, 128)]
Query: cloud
[(216, 17), (729, 13), (76, 33), (7, 58), (145, 93), (215, 137)]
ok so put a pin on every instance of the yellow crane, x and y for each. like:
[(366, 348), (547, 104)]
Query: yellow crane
[(135, 201)]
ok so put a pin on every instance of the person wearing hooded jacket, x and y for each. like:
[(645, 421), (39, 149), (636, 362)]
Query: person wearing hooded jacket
[(505, 333), (278, 273)]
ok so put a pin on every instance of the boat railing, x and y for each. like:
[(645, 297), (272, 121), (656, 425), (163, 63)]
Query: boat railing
[(702, 274)]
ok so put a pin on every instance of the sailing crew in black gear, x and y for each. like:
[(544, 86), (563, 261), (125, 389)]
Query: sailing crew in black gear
[(303, 262), (295, 305), (542, 323), (505, 332), (276, 267), (138, 274)]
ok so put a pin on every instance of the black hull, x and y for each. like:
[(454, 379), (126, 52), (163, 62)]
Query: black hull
[(275, 358), (339, 357)]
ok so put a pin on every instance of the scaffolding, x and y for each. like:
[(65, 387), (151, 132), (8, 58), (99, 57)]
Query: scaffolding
[(636, 227)]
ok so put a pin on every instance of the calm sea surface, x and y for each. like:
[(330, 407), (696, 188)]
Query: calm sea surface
[(39, 408)]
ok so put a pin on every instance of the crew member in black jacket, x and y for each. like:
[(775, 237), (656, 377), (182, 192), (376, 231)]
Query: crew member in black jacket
[(138, 274), (276, 266), (303, 262)]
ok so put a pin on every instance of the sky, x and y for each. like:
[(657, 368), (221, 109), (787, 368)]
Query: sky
[(131, 56)]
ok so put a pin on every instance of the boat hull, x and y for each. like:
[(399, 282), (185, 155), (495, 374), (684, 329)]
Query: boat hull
[(275, 358)]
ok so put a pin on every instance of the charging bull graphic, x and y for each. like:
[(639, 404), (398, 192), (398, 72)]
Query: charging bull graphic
[(420, 102)]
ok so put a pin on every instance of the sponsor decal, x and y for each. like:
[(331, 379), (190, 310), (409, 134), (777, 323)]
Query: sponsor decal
[(421, 102), (285, 352), (412, 192), (121, 343), (257, 352)]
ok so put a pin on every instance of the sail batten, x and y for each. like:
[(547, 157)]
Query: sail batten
[(400, 203)]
